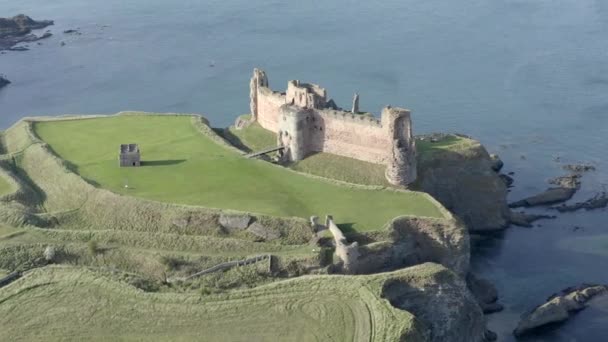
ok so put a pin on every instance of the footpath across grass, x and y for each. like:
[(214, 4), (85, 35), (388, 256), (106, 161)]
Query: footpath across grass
[(183, 165)]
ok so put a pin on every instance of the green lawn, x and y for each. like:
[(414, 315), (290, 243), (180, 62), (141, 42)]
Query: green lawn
[(343, 168), (427, 149), (5, 187), (182, 165)]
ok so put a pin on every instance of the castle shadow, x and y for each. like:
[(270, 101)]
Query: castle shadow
[(162, 162), (346, 227)]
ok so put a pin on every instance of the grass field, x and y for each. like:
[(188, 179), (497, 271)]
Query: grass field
[(343, 168), (182, 165), (75, 304), (5, 186)]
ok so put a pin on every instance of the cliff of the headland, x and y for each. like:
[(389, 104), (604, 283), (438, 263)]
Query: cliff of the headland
[(457, 171), (441, 303)]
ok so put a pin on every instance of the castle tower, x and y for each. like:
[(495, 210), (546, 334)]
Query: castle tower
[(259, 79), (401, 168), (294, 132)]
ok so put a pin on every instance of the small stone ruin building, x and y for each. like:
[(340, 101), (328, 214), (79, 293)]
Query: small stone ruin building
[(129, 155)]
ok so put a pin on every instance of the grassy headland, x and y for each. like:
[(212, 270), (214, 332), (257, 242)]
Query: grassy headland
[(182, 165)]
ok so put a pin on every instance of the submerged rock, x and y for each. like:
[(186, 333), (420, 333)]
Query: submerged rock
[(569, 181), (559, 307), (18, 29), (3, 82), (578, 168), (525, 220), (596, 202)]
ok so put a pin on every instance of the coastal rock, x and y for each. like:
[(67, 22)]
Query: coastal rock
[(566, 188), (525, 220), (465, 183), (18, 29), (264, 233), (3, 81), (485, 292), (550, 196), (571, 181), (579, 168), (497, 163), (235, 221), (596, 202), (559, 307), (508, 180)]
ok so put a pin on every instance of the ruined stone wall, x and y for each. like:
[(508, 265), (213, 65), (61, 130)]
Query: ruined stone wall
[(309, 126), (347, 253), (268, 105), (351, 135)]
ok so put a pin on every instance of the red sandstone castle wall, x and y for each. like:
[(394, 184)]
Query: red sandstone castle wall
[(334, 132), (269, 103), (356, 138)]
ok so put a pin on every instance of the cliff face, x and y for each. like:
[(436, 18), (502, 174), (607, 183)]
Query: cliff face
[(411, 241), (460, 176), (440, 301)]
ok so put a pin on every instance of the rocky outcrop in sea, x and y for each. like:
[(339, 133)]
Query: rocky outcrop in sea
[(3, 81), (559, 307), (18, 29)]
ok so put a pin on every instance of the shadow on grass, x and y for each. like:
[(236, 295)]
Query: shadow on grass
[(232, 139), (162, 162), (346, 227)]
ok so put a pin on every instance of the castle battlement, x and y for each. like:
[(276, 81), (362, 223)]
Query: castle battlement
[(307, 122)]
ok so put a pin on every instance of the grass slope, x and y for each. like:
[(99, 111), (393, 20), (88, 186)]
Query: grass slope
[(254, 137), (66, 303), (343, 168), (5, 186), (181, 165)]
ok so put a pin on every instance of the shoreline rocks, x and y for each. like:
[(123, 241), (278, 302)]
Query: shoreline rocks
[(485, 293), (522, 219), (549, 196), (559, 307), (598, 201), (18, 29)]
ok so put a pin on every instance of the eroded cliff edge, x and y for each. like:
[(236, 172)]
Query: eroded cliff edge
[(457, 171)]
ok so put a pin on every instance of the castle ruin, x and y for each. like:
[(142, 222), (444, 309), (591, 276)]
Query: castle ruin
[(306, 122), (129, 155)]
